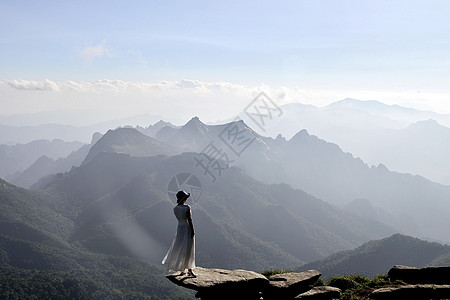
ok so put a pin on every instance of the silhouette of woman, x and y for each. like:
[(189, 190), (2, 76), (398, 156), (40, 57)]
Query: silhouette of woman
[(181, 255)]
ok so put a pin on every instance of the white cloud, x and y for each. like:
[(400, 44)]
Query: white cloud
[(180, 100), (45, 85), (90, 53)]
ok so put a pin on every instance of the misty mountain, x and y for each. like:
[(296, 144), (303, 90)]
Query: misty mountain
[(45, 166), (11, 135), (345, 118), (123, 208), (377, 257), (421, 148), (129, 141), (322, 169), (17, 158), (77, 118), (152, 130), (404, 139), (55, 125), (313, 165), (235, 143), (394, 112)]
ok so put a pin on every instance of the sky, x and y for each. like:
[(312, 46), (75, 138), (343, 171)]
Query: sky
[(210, 58)]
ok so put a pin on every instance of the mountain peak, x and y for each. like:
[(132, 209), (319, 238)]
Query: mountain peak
[(95, 137), (382, 168), (280, 138), (129, 141), (193, 125), (194, 120), (161, 123), (301, 135)]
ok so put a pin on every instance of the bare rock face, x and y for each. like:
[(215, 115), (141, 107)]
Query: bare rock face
[(289, 285), (321, 293), (436, 275), (223, 284), (415, 291)]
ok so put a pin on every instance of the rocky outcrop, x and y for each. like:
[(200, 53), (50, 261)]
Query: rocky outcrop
[(240, 284), (413, 291), (416, 283), (435, 275), (289, 285), (223, 284), (321, 293)]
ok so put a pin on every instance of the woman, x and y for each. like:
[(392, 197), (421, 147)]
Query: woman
[(181, 255)]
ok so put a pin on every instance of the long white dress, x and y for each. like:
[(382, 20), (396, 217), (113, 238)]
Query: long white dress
[(181, 254)]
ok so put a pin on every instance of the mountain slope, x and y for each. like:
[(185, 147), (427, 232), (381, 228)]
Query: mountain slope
[(36, 259), (239, 221), (377, 257)]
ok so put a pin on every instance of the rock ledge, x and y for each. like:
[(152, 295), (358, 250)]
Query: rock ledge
[(221, 284)]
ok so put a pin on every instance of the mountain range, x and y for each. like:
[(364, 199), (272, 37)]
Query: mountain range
[(258, 203), (404, 139), (304, 162), (320, 168), (417, 205), (378, 256)]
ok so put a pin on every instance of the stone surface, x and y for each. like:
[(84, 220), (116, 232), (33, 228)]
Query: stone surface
[(222, 284), (321, 293), (436, 275), (289, 285), (414, 291)]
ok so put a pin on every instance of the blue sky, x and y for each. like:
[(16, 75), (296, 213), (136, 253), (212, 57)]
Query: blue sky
[(379, 46)]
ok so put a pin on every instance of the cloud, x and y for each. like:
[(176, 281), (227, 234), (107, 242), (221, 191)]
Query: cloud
[(182, 99), (90, 53), (45, 85)]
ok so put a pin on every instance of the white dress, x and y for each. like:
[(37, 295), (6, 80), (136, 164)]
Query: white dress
[(181, 254)]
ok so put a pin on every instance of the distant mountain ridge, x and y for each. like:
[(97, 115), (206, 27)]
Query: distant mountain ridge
[(324, 170), (45, 166), (54, 125), (16, 158), (371, 130), (377, 257), (374, 131)]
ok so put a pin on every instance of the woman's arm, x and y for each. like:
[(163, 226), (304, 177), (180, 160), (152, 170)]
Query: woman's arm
[(189, 219)]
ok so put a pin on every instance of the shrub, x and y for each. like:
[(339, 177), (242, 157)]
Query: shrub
[(269, 273), (344, 283)]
